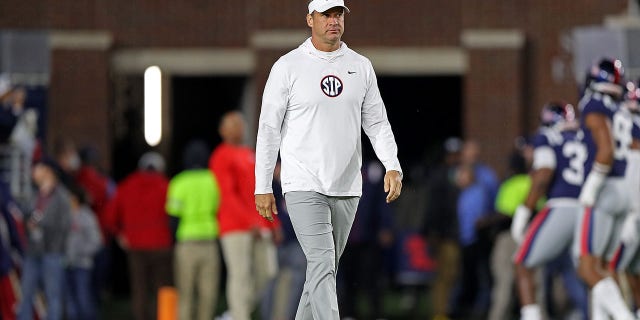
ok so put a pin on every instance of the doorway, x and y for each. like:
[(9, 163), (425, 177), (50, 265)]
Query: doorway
[(198, 104), (423, 111)]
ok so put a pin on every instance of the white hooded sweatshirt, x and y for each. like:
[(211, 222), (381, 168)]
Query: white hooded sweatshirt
[(313, 108)]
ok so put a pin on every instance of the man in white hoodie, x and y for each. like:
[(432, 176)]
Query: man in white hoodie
[(316, 101)]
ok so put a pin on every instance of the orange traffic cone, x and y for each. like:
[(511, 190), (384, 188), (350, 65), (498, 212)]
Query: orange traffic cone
[(167, 303)]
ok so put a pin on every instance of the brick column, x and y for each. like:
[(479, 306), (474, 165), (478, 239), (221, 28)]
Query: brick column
[(79, 95), (494, 106)]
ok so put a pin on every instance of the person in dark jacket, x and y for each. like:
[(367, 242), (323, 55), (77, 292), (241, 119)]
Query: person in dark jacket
[(441, 226), (47, 226)]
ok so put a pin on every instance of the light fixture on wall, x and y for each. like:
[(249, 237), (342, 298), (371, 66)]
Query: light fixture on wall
[(153, 105)]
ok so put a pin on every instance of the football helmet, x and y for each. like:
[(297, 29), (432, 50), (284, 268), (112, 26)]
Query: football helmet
[(559, 115), (607, 76)]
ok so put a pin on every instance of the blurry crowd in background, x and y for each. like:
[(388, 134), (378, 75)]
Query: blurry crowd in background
[(442, 251), (63, 255)]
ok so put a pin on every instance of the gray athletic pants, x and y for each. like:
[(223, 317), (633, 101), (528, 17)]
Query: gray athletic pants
[(598, 230), (322, 224)]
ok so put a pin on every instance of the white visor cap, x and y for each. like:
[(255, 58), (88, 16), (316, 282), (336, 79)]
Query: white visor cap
[(324, 5)]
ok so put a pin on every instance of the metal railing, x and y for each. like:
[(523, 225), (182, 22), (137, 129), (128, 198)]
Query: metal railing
[(15, 171)]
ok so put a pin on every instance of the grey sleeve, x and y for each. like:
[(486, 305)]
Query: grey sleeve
[(64, 214), (92, 234), (57, 218)]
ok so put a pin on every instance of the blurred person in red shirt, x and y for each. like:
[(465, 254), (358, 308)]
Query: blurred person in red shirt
[(97, 184), (99, 188), (136, 216), (247, 240)]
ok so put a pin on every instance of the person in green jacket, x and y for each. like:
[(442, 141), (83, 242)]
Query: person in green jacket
[(193, 199)]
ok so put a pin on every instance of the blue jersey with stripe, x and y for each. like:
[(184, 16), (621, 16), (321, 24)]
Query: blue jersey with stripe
[(570, 154), (596, 102), (626, 128)]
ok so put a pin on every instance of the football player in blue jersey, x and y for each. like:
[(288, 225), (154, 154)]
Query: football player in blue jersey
[(603, 193), (627, 256), (558, 173)]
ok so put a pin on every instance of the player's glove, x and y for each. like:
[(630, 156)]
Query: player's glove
[(629, 233), (519, 223), (593, 184)]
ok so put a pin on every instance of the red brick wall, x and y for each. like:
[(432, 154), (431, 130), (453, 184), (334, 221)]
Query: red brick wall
[(200, 23), (79, 99), (493, 108)]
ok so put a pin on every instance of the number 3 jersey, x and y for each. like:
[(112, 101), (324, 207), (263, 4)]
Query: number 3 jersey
[(565, 153)]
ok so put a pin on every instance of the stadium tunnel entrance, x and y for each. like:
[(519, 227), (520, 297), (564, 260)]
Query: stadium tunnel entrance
[(423, 111), (194, 107), (198, 104)]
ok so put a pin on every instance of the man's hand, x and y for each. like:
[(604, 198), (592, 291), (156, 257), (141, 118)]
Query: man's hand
[(392, 185), (592, 186), (266, 205), (519, 223)]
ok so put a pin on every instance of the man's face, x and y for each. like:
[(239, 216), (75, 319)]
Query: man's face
[(327, 26), (232, 128), (39, 173)]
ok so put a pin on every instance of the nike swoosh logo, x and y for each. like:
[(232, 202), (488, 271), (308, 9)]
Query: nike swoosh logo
[(351, 72)]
